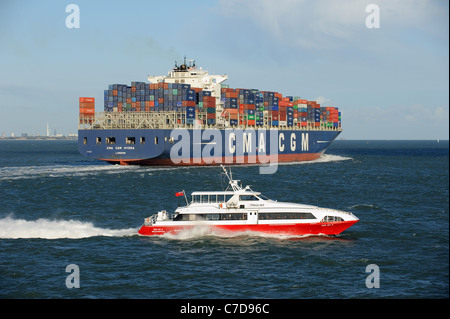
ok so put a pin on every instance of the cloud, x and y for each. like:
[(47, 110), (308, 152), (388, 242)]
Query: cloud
[(329, 24)]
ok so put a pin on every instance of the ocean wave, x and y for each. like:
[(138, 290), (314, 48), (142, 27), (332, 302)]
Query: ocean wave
[(11, 228), (55, 171), (31, 172)]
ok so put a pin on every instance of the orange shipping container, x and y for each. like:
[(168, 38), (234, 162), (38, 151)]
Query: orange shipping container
[(232, 111), (87, 111), (87, 105), (87, 99)]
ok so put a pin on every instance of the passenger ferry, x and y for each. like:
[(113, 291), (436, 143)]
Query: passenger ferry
[(239, 209)]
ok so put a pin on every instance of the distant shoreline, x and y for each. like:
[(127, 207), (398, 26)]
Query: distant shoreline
[(38, 138)]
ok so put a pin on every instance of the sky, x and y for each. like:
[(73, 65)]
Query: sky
[(390, 82)]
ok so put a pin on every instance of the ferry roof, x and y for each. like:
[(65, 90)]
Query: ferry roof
[(244, 191)]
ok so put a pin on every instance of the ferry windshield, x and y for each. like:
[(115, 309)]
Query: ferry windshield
[(248, 197)]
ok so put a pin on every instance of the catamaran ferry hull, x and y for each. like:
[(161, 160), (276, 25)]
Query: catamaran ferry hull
[(294, 229)]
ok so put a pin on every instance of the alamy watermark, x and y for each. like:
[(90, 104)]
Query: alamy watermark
[(237, 146), (373, 19), (73, 19), (73, 280), (373, 279)]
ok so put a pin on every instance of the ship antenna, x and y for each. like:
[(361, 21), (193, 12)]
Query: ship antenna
[(234, 183)]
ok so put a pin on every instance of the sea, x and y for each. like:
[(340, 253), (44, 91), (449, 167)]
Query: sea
[(68, 227)]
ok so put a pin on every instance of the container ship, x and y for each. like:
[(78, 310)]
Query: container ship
[(190, 117)]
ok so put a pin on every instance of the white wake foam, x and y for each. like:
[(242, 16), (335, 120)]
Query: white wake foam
[(30, 172), (11, 228), (325, 158), (200, 231)]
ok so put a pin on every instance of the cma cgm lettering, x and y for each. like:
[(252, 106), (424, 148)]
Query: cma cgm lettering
[(191, 118), (204, 147)]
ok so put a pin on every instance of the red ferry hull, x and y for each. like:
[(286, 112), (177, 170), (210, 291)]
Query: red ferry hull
[(301, 229)]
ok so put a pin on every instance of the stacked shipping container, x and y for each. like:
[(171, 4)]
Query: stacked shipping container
[(87, 109), (241, 106), (252, 107), (146, 97)]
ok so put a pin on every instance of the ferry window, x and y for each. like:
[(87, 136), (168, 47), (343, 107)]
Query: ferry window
[(130, 140), (248, 197), (203, 198), (156, 140), (286, 216), (332, 219), (211, 216), (110, 140), (142, 140), (227, 197), (182, 217), (99, 140), (84, 140)]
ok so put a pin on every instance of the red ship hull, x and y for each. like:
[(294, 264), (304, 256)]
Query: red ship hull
[(300, 229)]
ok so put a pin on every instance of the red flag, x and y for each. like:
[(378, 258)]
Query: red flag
[(179, 194)]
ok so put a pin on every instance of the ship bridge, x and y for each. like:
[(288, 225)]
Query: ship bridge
[(189, 73)]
